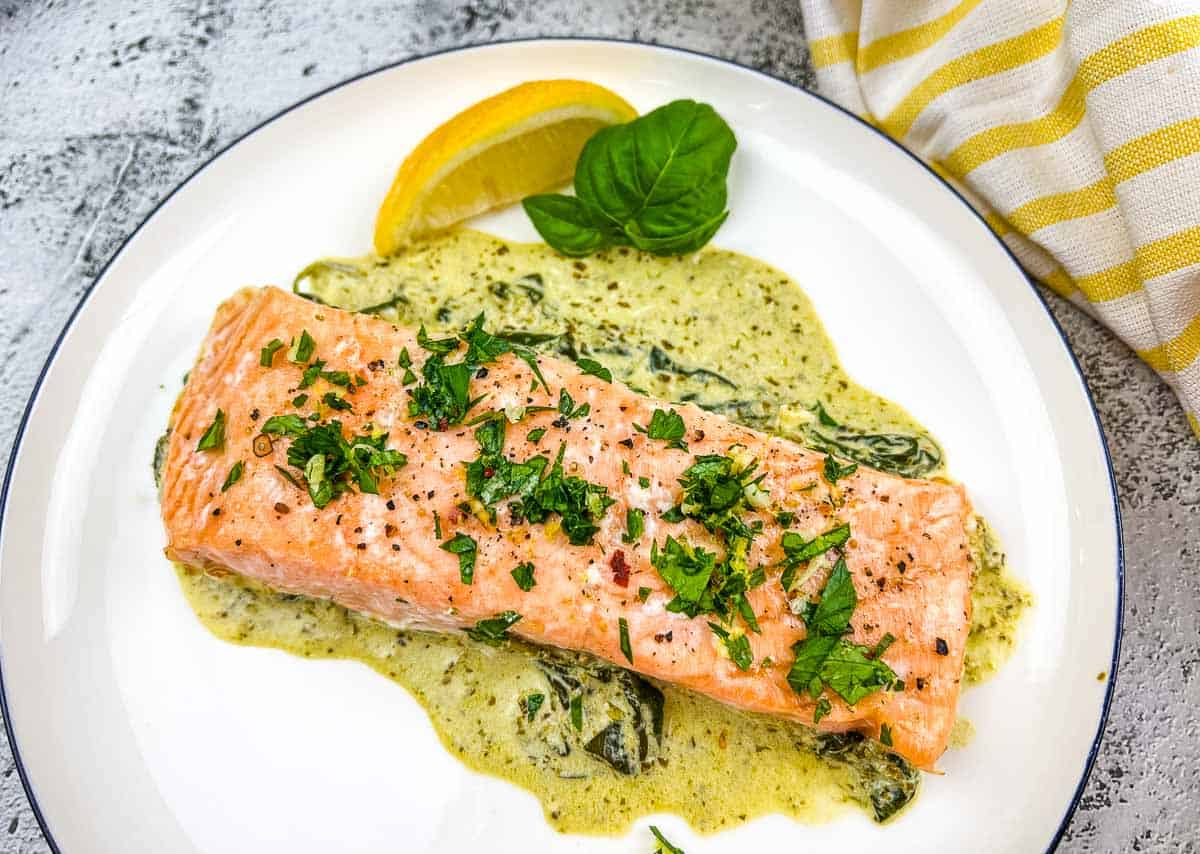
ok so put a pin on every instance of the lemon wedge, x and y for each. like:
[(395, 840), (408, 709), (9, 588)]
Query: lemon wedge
[(522, 141)]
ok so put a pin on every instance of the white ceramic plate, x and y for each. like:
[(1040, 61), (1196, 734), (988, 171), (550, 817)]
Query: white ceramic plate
[(138, 731)]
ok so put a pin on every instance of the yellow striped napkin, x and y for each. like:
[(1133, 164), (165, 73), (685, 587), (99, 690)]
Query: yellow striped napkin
[(1073, 127)]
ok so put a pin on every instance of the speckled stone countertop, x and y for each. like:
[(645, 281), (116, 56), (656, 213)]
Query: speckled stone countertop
[(106, 106)]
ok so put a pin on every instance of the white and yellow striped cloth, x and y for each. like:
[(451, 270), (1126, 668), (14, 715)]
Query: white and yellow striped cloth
[(1074, 127)]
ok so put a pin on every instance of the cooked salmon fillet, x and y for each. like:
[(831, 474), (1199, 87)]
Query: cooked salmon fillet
[(378, 554)]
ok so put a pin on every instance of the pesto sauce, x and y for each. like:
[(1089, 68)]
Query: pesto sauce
[(719, 329)]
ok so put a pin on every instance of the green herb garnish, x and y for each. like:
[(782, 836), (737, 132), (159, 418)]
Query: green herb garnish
[(626, 648), (337, 402), (303, 349), (665, 847), (299, 400), (523, 575), (267, 355), (885, 735), (567, 407), (494, 630), (331, 463), (665, 425), (823, 708), (466, 549), (835, 471), (687, 570), (635, 524), (644, 482), (214, 437), (644, 593), (825, 658), (535, 435), (591, 366), (737, 646), (656, 183), (798, 550), (311, 373), (235, 474), (285, 425)]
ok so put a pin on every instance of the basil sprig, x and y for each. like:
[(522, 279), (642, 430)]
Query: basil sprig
[(656, 183)]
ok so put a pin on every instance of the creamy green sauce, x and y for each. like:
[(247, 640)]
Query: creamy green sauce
[(719, 329)]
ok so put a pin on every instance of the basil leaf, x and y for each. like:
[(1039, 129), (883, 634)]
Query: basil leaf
[(660, 179), (565, 223), (285, 425), (823, 708), (851, 675)]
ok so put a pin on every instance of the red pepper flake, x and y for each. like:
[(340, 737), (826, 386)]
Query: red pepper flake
[(489, 472), (620, 569)]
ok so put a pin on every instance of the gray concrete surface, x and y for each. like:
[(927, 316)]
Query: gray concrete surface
[(106, 106)]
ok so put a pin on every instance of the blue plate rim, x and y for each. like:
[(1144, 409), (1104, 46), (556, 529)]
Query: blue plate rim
[(37, 386)]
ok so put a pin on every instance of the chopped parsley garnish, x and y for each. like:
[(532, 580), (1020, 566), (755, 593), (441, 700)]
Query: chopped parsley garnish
[(523, 575), (437, 346), (235, 474), (303, 349), (715, 492), (444, 398), (665, 847), (539, 488), (437, 525), (825, 658), (532, 703), (644, 482), (405, 360), (285, 425), (535, 435), (311, 373), (626, 648), (835, 471), (289, 477), (799, 550), (341, 378), (625, 468), (337, 402), (577, 712), (665, 425), (466, 549), (567, 407), (822, 709), (635, 524), (214, 437), (737, 646), (331, 463), (785, 518), (644, 593), (885, 735), (267, 354), (591, 366), (409, 377), (299, 400), (674, 514), (687, 570), (494, 630)]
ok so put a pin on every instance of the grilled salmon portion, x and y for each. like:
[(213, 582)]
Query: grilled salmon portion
[(381, 553)]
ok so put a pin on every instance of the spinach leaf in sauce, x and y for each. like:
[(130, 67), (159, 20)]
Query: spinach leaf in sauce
[(898, 453)]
